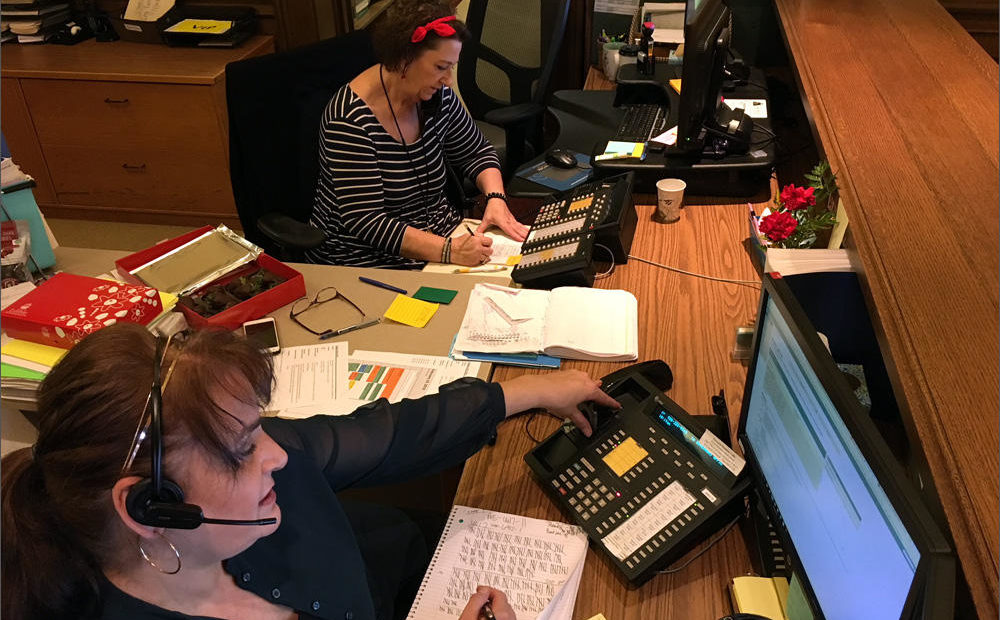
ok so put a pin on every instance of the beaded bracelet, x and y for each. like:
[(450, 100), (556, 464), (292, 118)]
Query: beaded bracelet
[(446, 251), (502, 197)]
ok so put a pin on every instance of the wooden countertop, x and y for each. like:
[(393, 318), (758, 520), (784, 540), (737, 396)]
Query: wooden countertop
[(123, 61), (689, 323), (905, 105)]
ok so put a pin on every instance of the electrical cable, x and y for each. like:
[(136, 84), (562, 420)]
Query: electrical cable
[(530, 418), (718, 537), (752, 283), (611, 269)]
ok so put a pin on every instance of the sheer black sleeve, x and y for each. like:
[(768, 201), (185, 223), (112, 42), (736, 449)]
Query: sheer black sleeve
[(382, 443)]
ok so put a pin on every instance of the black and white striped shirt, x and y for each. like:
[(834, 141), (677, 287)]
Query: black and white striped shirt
[(369, 189)]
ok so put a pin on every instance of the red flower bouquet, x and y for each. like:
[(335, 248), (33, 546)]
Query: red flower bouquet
[(800, 213)]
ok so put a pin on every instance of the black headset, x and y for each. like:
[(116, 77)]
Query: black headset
[(158, 501)]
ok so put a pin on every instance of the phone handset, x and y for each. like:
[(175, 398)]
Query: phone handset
[(656, 372)]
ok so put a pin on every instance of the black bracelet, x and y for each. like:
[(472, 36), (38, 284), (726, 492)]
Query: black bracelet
[(502, 197)]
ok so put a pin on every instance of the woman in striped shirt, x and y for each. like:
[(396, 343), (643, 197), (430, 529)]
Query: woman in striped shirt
[(383, 144)]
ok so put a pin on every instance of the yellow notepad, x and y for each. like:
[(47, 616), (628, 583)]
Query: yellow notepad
[(410, 311), (759, 595), (676, 85)]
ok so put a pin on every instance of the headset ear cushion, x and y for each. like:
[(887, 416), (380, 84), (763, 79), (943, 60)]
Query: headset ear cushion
[(141, 495)]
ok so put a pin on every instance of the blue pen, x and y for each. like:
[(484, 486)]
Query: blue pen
[(387, 287)]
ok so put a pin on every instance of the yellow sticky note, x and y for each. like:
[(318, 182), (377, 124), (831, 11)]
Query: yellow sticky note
[(513, 260), (202, 26), (599, 617), (676, 85), (410, 311), (33, 352), (626, 456)]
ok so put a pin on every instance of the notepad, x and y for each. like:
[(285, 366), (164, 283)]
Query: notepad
[(568, 322), (536, 563), (410, 311)]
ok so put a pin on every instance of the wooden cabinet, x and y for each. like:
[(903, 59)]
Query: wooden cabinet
[(123, 131)]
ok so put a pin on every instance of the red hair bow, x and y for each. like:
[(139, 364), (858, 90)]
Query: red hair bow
[(438, 26)]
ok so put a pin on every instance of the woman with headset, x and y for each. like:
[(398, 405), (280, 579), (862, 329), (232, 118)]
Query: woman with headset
[(181, 501), (384, 140)]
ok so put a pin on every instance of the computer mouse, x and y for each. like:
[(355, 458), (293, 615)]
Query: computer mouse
[(561, 158)]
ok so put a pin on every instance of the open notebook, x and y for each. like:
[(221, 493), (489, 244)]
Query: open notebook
[(536, 563), (569, 322)]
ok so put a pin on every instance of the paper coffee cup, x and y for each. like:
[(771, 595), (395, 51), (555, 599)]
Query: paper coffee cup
[(669, 196)]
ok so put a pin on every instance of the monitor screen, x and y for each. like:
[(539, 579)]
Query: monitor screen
[(858, 558)]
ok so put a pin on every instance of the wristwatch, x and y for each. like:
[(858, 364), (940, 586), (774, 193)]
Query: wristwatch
[(502, 197)]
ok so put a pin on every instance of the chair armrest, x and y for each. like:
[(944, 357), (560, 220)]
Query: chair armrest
[(514, 114), (289, 233)]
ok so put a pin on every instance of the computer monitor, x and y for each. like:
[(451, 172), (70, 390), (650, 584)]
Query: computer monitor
[(703, 122), (853, 528)]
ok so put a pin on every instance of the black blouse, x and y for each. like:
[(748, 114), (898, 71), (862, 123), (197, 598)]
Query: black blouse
[(312, 563)]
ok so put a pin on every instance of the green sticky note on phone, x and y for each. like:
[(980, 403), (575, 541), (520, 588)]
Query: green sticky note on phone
[(435, 295)]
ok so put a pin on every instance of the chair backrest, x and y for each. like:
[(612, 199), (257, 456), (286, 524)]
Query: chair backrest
[(275, 105), (512, 52)]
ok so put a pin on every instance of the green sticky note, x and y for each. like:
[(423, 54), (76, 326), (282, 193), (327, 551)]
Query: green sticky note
[(435, 295)]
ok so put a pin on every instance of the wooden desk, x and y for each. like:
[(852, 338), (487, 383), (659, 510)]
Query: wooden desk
[(124, 131), (689, 323), (434, 339), (905, 105)]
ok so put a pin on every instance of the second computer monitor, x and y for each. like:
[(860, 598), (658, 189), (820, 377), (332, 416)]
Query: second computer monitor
[(706, 46)]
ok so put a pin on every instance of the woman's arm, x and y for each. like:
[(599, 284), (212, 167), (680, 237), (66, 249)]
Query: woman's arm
[(381, 442), (467, 148), (497, 212)]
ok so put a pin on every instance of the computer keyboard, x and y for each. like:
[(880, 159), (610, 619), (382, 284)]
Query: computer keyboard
[(641, 123)]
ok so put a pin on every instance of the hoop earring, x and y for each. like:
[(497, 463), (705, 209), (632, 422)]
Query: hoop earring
[(149, 560)]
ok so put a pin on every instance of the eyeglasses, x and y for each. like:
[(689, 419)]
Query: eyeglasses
[(324, 295), (142, 430)]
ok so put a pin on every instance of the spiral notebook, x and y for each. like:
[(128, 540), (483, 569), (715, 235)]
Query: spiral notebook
[(536, 563), (568, 322)]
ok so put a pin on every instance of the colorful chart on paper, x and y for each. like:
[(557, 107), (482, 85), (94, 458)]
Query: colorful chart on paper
[(371, 381)]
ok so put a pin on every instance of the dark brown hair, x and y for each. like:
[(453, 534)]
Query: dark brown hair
[(59, 523), (392, 33)]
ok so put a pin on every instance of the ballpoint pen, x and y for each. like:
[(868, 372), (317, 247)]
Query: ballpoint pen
[(350, 328), (387, 287), (488, 612), (469, 228)]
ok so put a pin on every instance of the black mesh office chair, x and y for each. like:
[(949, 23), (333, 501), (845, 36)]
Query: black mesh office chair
[(504, 71), (275, 105)]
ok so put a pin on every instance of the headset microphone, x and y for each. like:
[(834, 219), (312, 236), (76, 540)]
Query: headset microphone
[(157, 501)]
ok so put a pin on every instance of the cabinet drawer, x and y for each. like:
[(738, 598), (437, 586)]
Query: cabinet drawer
[(141, 180), (123, 114)]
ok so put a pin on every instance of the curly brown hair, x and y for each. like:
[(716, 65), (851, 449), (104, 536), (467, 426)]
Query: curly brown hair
[(392, 33)]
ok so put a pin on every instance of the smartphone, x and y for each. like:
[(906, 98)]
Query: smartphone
[(263, 333)]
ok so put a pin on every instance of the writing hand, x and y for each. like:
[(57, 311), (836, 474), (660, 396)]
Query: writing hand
[(497, 214), (497, 600), (471, 250)]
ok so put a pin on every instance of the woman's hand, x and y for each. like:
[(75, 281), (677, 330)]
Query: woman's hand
[(497, 600), (558, 392), (497, 214), (471, 250)]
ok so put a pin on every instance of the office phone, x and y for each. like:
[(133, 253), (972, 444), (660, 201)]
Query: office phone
[(559, 249), (644, 487)]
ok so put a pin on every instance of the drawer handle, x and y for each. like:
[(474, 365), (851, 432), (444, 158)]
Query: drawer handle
[(138, 168), (110, 100)]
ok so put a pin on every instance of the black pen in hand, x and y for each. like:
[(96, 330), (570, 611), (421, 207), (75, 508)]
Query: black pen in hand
[(469, 228), (488, 611)]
